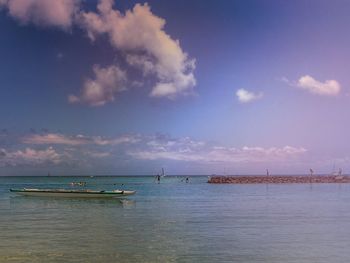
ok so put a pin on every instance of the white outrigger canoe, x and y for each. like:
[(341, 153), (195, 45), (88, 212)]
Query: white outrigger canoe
[(72, 193)]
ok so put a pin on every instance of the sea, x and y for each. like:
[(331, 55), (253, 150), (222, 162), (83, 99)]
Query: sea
[(175, 221)]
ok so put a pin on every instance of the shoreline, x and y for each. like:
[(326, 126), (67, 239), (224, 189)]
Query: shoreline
[(289, 179)]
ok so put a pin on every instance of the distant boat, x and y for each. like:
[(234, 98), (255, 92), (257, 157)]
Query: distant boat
[(338, 175), (72, 193), (334, 173)]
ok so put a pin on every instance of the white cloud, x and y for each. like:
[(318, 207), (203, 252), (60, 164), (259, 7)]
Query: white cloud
[(102, 89), (246, 96), (124, 139), (29, 157), (137, 32), (73, 98), (43, 12), (229, 155), (82, 151), (160, 146), (55, 138), (140, 31), (188, 150), (327, 88), (94, 154), (142, 61), (52, 138)]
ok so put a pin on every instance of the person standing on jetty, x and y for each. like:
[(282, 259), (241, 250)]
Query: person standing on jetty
[(311, 175), (311, 172)]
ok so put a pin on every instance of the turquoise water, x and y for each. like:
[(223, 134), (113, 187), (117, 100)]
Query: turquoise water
[(176, 222)]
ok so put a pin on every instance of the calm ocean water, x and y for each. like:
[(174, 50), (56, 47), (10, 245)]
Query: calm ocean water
[(176, 222)]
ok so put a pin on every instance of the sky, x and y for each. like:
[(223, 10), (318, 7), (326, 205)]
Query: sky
[(196, 87)]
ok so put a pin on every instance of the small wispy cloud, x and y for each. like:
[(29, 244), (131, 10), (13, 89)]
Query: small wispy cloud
[(246, 96), (59, 55), (327, 88), (310, 84), (53, 138), (56, 138), (95, 154)]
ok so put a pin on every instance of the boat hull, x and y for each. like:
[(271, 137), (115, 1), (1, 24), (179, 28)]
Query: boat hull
[(72, 194)]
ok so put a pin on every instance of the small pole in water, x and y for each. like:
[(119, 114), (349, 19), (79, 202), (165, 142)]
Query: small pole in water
[(267, 178), (267, 173), (311, 175)]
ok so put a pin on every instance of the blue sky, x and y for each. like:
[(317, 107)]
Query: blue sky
[(125, 87)]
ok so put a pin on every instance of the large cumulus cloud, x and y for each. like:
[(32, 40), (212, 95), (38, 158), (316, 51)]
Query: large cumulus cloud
[(138, 33)]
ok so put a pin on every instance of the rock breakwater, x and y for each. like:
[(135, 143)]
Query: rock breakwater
[(287, 179)]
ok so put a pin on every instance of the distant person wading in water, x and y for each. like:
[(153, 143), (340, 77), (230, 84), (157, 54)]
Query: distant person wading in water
[(187, 179), (158, 178)]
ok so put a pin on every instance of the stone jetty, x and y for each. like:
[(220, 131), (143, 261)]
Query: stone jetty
[(283, 179)]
